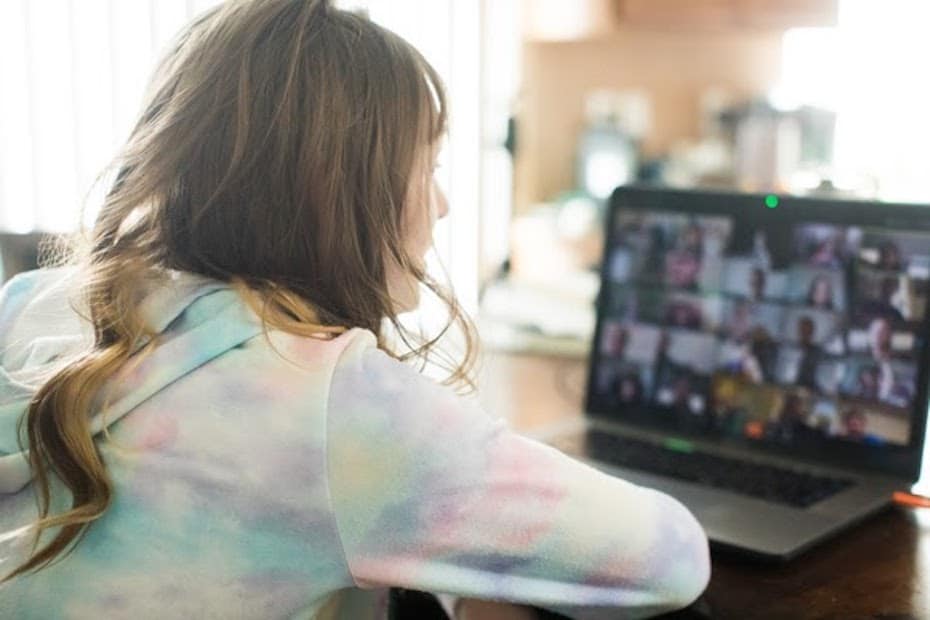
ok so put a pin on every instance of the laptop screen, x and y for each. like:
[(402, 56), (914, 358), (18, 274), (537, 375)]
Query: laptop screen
[(782, 331)]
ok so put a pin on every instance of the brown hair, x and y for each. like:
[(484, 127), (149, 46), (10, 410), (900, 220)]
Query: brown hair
[(276, 152)]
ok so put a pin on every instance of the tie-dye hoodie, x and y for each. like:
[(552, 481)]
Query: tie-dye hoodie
[(276, 476)]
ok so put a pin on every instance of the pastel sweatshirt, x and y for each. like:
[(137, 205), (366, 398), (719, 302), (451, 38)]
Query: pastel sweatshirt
[(275, 476)]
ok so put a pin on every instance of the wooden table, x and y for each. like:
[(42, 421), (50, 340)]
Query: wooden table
[(879, 569)]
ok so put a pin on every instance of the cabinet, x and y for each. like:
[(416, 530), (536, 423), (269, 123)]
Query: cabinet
[(561, 20)]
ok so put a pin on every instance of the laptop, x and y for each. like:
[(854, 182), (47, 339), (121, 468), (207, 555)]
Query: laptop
[(761, 358)]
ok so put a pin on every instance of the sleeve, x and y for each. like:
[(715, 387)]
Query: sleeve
[(430, 493)]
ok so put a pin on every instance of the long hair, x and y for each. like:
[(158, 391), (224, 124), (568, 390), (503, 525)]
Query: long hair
[(276, 151)]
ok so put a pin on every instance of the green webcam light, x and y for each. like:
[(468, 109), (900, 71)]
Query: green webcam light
[(771, 201)]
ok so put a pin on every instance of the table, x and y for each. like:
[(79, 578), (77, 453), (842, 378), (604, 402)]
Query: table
[(879, 569)]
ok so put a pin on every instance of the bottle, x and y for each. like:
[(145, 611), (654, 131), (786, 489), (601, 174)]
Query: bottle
[(607, 152)]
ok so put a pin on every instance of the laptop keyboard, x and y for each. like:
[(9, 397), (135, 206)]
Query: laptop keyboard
[(768, 482)]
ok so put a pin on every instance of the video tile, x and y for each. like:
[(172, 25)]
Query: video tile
[(890, 295), (880, 339), (804, 326), (619, 383), (818, 289), (742, 409), (826, 246), (746, 278), (696, 351), (680, 389), (871, 423), (809, 368), (753, 360), (897, 253), (680, 251), (743, 318), (869, 379)]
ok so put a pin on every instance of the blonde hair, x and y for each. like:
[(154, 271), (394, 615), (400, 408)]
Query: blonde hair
[(275, 152)]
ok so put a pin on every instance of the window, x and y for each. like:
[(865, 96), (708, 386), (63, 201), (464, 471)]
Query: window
[(867, 70), (74, 74)]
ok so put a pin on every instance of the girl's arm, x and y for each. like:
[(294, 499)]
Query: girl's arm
[(432, 494)]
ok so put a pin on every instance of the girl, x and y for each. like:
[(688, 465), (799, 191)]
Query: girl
[(205, 404)]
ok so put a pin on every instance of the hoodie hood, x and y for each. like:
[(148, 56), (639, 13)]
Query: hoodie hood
[(197, 319)]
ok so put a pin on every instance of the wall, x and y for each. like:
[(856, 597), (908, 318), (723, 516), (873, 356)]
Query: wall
[(672, 66)]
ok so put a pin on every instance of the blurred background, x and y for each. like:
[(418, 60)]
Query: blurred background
[(554, 103)]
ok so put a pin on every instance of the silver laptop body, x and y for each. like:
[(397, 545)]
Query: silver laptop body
[(737, 338)]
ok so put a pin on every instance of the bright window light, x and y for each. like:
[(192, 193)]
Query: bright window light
[(869, 71), (73, 76)]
